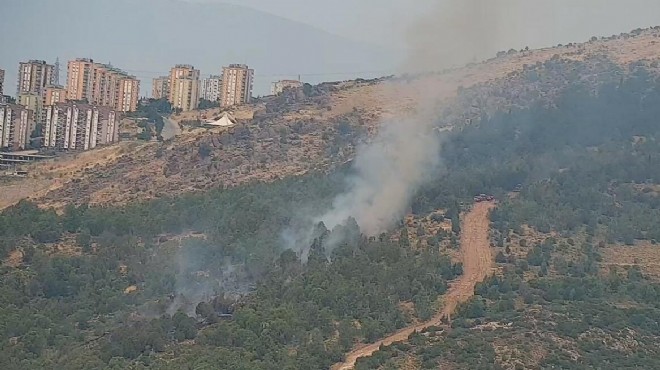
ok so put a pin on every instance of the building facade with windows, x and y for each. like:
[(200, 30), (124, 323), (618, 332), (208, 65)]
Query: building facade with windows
[(210, 88), (184, 87), (237, 84), (102, 84), (79, 126), (16, 125), (34, 76), (160, 87)]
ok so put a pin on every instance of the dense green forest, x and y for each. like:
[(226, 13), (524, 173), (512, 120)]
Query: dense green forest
[(578, 162), (72, 312), (251, 304)]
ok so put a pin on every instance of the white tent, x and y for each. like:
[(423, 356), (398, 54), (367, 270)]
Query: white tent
[(225, 120)]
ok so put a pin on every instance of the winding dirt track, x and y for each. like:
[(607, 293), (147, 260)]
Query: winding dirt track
[(477, 265)]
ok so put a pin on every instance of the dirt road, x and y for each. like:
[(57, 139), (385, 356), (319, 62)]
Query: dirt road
[(477, 264)]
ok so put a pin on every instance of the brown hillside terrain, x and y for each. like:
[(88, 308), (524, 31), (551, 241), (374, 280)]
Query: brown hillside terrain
[(295, 133), (646, 256)]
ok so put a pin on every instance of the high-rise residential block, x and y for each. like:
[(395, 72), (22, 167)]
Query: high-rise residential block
[(102, 84), (184, 87), (210, 88), (34, 76), (160, 87), (53, 94), (16, 125), (127, 95), (237, 80), (79, 126), (79, 80)]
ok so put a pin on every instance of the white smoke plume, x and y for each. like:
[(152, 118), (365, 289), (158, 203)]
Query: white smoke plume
[(388, 171), (405, 152)]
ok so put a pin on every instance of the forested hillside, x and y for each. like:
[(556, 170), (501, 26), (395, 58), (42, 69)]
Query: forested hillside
[(206, 279), (586, 168)]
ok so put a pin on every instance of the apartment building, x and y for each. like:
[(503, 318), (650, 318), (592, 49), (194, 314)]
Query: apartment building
[(79, 126), (184, 87), (160, 87), (237, 80), (16, 125), (210, 88), (102, 84), (80, 74), (279, 86), (54, 94), (31, 102), (34, 76), (127, 95)]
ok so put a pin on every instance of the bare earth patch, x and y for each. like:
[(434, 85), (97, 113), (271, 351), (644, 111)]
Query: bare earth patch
[(644, 255)]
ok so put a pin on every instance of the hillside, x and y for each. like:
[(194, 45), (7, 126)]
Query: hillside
[(296, 133), (212, 250), (210, 279)]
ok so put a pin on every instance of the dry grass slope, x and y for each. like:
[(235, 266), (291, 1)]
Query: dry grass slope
[(296, 135)]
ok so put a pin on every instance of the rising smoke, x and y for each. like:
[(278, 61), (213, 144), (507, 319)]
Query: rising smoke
[(388, 171), (201, 276), (404, 154)]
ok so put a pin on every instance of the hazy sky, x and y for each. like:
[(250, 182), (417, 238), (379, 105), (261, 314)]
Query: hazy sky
[(377, 21), (461, 28), (534, 23)]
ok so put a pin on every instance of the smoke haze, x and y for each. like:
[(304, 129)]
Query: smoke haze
[(404, 154), (454, 33), (388, 170)]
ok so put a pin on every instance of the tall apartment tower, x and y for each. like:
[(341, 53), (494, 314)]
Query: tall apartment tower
[(184, 87), (161, 87), (102, 84), (54, 94), (79, 79), (237, 82), (34, 76), (15, 126), (79, 126), (210, 88)]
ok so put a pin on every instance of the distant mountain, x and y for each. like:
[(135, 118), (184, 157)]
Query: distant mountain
[(147, 37)]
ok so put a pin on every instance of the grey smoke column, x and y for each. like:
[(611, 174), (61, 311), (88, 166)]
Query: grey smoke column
[(388, 171), (405, 152)]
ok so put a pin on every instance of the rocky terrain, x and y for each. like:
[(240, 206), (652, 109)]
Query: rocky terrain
[(319, 127)]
